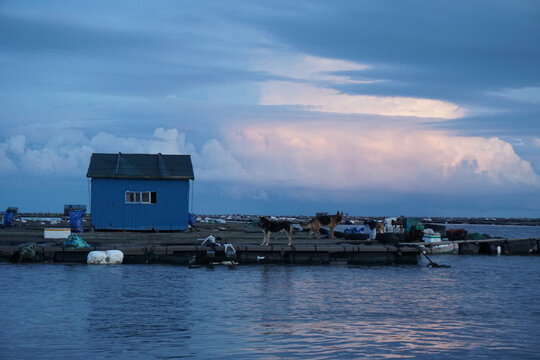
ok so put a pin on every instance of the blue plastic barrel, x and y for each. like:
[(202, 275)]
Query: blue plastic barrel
[(8, 218), (75, 221), (191, 219)]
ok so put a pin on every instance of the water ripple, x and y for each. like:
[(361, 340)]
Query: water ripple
[(481, 307)]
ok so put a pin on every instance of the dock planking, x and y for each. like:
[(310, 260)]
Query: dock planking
[(244, 254), (185, 247), (491, 246)]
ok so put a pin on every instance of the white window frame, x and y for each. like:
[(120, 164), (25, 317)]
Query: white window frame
[(136, 197)]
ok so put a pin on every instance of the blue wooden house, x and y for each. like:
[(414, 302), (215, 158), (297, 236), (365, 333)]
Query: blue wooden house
[(140, 191)]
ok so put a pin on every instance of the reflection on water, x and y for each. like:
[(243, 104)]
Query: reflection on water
[(481, 307)]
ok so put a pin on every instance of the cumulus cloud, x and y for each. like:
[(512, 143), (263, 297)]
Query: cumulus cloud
[(60, 155), (54, 156), (62, 161), (302, 157), (16, 144), (165, 141), (6, 164), (314, 98), (217, 163), (349, 156)]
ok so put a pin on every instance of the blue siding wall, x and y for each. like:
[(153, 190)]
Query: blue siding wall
[(110, 211)]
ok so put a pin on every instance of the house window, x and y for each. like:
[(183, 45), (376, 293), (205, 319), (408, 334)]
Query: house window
[(145, 197), (141, 197), (130, 197)]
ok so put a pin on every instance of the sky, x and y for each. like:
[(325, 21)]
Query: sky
[(373, 108)]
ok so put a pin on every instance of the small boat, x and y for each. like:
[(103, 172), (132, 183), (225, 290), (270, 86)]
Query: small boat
[(412, 231), (430, 245), (434, 248)]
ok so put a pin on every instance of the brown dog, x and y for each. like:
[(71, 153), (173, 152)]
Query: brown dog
[(275, 226), (314, 225)]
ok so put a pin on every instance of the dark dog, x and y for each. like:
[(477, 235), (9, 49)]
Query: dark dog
[(314, 225), (275, 226)]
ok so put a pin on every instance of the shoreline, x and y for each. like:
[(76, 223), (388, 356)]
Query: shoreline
[(254, 217)]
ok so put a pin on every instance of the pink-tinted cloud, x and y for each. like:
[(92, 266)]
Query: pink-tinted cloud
[(310, 82), (350, 156), (315, 98), (300, 157)]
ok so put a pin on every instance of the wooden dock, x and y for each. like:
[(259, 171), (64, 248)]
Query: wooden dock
[(184, 248), (243, 254), (491, 246)]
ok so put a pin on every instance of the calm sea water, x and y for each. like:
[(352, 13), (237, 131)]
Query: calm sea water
[(481, 307), (504, 231)]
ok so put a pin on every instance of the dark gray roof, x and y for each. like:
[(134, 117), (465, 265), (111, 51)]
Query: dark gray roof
[(140, 166)]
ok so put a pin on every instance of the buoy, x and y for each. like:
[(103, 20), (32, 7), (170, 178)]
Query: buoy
[(109, 257)]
